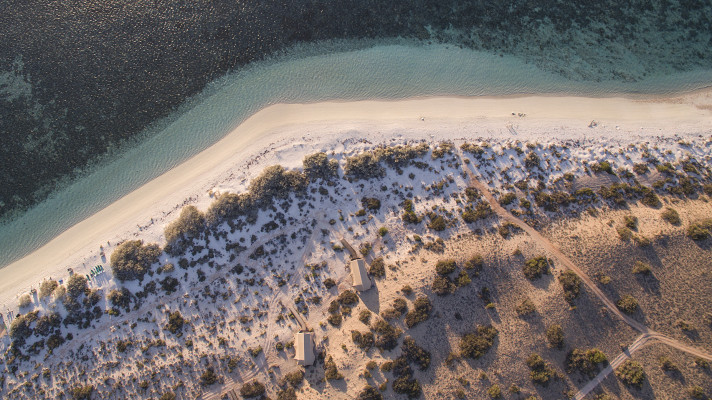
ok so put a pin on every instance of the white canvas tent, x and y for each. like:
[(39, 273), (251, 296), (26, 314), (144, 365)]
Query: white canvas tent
[(304, 348), (361, 281)]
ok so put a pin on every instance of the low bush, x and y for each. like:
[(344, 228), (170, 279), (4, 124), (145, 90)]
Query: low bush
[(481, 211), (364, 316), (535, 267), (571, 284), (671, 216), (363, 341), (371, 203), (416, 354), (442, 285), (181, 232), (445, 267), (335, 319), (631, 222), (475, 345), (175, 322), (331, 373), (378, 268), (699, 230), (132, 259), (555, 336), (369, 393), (366, 165), (586, 362), (437, 223), (628, 304), (47, 287), (631, 373), (420, 313), (208, 377), (386, 335), (24, 301), (295, 378), (81, 392), (541, 372), (603, 166), (494, 392), (318, 166), (348, 298), (252, 389), (641, 268), (526, 307)]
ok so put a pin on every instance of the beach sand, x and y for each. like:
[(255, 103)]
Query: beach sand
[(284, 133)]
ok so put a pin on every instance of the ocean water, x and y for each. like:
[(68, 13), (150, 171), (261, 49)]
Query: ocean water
[(308, 73)]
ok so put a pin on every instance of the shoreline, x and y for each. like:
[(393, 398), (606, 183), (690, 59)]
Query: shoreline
[(311, 127)]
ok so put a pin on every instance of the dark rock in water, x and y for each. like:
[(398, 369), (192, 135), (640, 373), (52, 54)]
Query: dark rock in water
[(100, 72)]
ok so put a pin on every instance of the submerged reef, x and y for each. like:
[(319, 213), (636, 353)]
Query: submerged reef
[(78, 81)]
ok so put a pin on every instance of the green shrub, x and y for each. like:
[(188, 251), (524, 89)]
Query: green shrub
[(526, 307), (442, 285), (585, 361), (407, 290), (364, 340), (295, 378), (541, 372), (699, 230), (666, 364), (437, 223), (445, 267), (571, 284), (463, 279), (631, 373), (378, 268), (420, 313), (555, 336), (535, 267), (366, 165), (131, 260), (475, 345), (364, 316), (631, 222), (252, 389), (24, 301), (331, 373), (382, 231), (318, 166), (628, 304), (641, 169), (275, 183), (532, 160), (696, 392), (47, 287), (624, 233), (475, 263), (386, 335), (671, 216), (287, 394), (335, 319), (175, 322), (416, 354), (81, 392), (507, 199), (494, 392), (371, 203), (329, 283), (208, 377), (369, 393), (641, 268), (348, 297), (229, 206), (481, 211), (603, 166), (189, 225)]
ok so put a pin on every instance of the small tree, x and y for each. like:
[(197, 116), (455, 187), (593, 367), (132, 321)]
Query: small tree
[(631, 373), (555, 336), (131, 260)]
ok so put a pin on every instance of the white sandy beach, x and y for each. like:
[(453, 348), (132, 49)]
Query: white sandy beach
[(284, 133)]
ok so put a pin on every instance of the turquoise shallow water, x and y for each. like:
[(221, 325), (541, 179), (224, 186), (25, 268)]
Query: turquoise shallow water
[(379, 72)]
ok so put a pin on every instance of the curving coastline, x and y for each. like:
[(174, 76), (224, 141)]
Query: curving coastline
[(321, 124)]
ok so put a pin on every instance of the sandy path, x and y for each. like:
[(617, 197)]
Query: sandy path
[(542, 114)]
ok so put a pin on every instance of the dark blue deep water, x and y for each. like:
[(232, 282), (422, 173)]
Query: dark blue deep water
[(98, 97)]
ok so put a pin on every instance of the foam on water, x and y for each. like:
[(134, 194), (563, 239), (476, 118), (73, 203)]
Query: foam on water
[(380, 72)]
